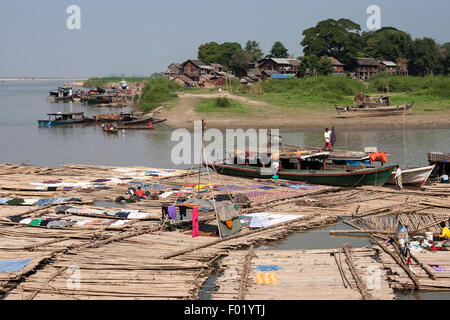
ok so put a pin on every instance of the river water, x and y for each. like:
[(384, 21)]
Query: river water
[(22, 103)]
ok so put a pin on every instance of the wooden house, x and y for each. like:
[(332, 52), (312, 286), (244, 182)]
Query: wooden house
[(173, 70), (366, 67), (194, 69), (388, 66), (217, 67), (280, 65), (338, 67)]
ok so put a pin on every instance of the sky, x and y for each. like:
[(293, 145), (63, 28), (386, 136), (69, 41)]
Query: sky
[(140, 37)]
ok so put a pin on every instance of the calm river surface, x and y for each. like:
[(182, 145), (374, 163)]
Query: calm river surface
[(22, 103)]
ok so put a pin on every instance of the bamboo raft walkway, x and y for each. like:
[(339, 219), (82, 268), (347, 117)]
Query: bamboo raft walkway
[(331, 274)]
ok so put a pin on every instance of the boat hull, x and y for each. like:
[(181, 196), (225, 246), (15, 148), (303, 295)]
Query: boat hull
[(415, 176), (48, 123), (369, 176), (348, 112)]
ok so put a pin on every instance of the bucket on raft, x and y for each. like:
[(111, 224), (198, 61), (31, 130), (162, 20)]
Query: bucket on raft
[(429, 236)]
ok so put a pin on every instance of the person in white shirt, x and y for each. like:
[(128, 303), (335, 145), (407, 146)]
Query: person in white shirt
[(398, 178), (327, 136)]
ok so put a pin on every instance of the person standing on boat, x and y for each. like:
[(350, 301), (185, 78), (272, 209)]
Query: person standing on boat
[(275, 164), (327, 136), (398, 178)]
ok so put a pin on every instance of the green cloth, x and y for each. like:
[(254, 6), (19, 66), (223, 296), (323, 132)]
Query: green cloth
[(236, 228), (15, 202), (35, 222)]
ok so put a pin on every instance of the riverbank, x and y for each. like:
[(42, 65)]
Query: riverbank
[(261, 114)]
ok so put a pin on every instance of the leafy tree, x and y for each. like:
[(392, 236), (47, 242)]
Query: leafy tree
[(423, 57), (334, 38), (387, 43), (239, 63), (227, 50), (309, 65), (445, 58), (324, 66), (253, 48), (278, 51), (209, 52)]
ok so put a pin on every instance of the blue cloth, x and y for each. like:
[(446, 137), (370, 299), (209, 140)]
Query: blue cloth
[(268, 268), (13, 265)]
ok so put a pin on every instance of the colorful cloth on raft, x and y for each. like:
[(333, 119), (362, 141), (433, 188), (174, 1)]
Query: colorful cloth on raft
[(268, 268), (229, 188), (13, 265), (15, 202)]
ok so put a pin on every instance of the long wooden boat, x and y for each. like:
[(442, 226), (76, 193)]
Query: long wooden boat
[(367, 176), (414, 176), (134, 127), (367, 111), (62, 118)]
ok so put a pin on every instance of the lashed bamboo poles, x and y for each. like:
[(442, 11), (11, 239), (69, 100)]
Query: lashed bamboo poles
[(245, 271), (359, 283)]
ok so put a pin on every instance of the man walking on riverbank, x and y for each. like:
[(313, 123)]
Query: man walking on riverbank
[(327, 136)]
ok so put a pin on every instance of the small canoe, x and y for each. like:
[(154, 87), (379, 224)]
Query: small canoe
[(366, 176), (134, 128), (414, 176), (348, 111)]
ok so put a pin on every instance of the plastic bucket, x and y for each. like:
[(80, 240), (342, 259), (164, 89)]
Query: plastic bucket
[(429, 236)]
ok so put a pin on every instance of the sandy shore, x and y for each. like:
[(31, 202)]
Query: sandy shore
[(263, 115)]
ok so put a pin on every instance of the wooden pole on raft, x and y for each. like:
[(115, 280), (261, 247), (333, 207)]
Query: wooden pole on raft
[(359, 283), (245, 271), (246, 233), (400, 263)]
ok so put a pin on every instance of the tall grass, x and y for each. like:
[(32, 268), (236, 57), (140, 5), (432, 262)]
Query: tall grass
[(156, 92), (92, 82), (436, 86)]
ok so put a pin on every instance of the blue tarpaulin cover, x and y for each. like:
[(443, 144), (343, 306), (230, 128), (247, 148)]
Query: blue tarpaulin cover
[(13, 265)]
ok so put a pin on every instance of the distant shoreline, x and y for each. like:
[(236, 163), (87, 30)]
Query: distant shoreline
[(42, 79)]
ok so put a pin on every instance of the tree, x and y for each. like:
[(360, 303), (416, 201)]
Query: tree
[(309, 65), (445, 58), (240, 62), (209, 52), (334, 38), (324, 66), (227, 50), (387, 43), (278, 51), (423, 57), (253, 48)]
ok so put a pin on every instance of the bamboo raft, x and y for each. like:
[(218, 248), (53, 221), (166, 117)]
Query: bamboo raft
[(331, 274)]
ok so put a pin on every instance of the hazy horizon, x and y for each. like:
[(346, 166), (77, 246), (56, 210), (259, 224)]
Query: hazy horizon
[(143, 37)]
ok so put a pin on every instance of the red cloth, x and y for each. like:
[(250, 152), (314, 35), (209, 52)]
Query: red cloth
[(378, 156), (195, 222)]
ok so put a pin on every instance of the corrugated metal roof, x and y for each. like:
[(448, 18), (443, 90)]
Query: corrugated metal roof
[(388, 63)]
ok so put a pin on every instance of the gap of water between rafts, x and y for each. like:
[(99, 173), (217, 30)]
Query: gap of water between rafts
[(320, 238)]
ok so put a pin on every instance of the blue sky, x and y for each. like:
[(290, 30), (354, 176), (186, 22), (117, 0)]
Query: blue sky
[(141, 37)]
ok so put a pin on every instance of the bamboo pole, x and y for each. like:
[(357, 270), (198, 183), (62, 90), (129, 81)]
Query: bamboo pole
[(400, 263), (245, 271), (359, 283), (239, 235)]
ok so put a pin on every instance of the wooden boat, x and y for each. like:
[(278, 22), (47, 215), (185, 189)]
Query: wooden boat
[(306, 167), (368, 176), (62, 118), (414, 176), (63, 93), (113, 130), (137, 126), (349, 111)]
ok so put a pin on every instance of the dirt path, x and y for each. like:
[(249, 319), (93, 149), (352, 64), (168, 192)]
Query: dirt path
[(264, 115)]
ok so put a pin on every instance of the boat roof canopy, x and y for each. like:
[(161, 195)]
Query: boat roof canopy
[(65, 114)]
